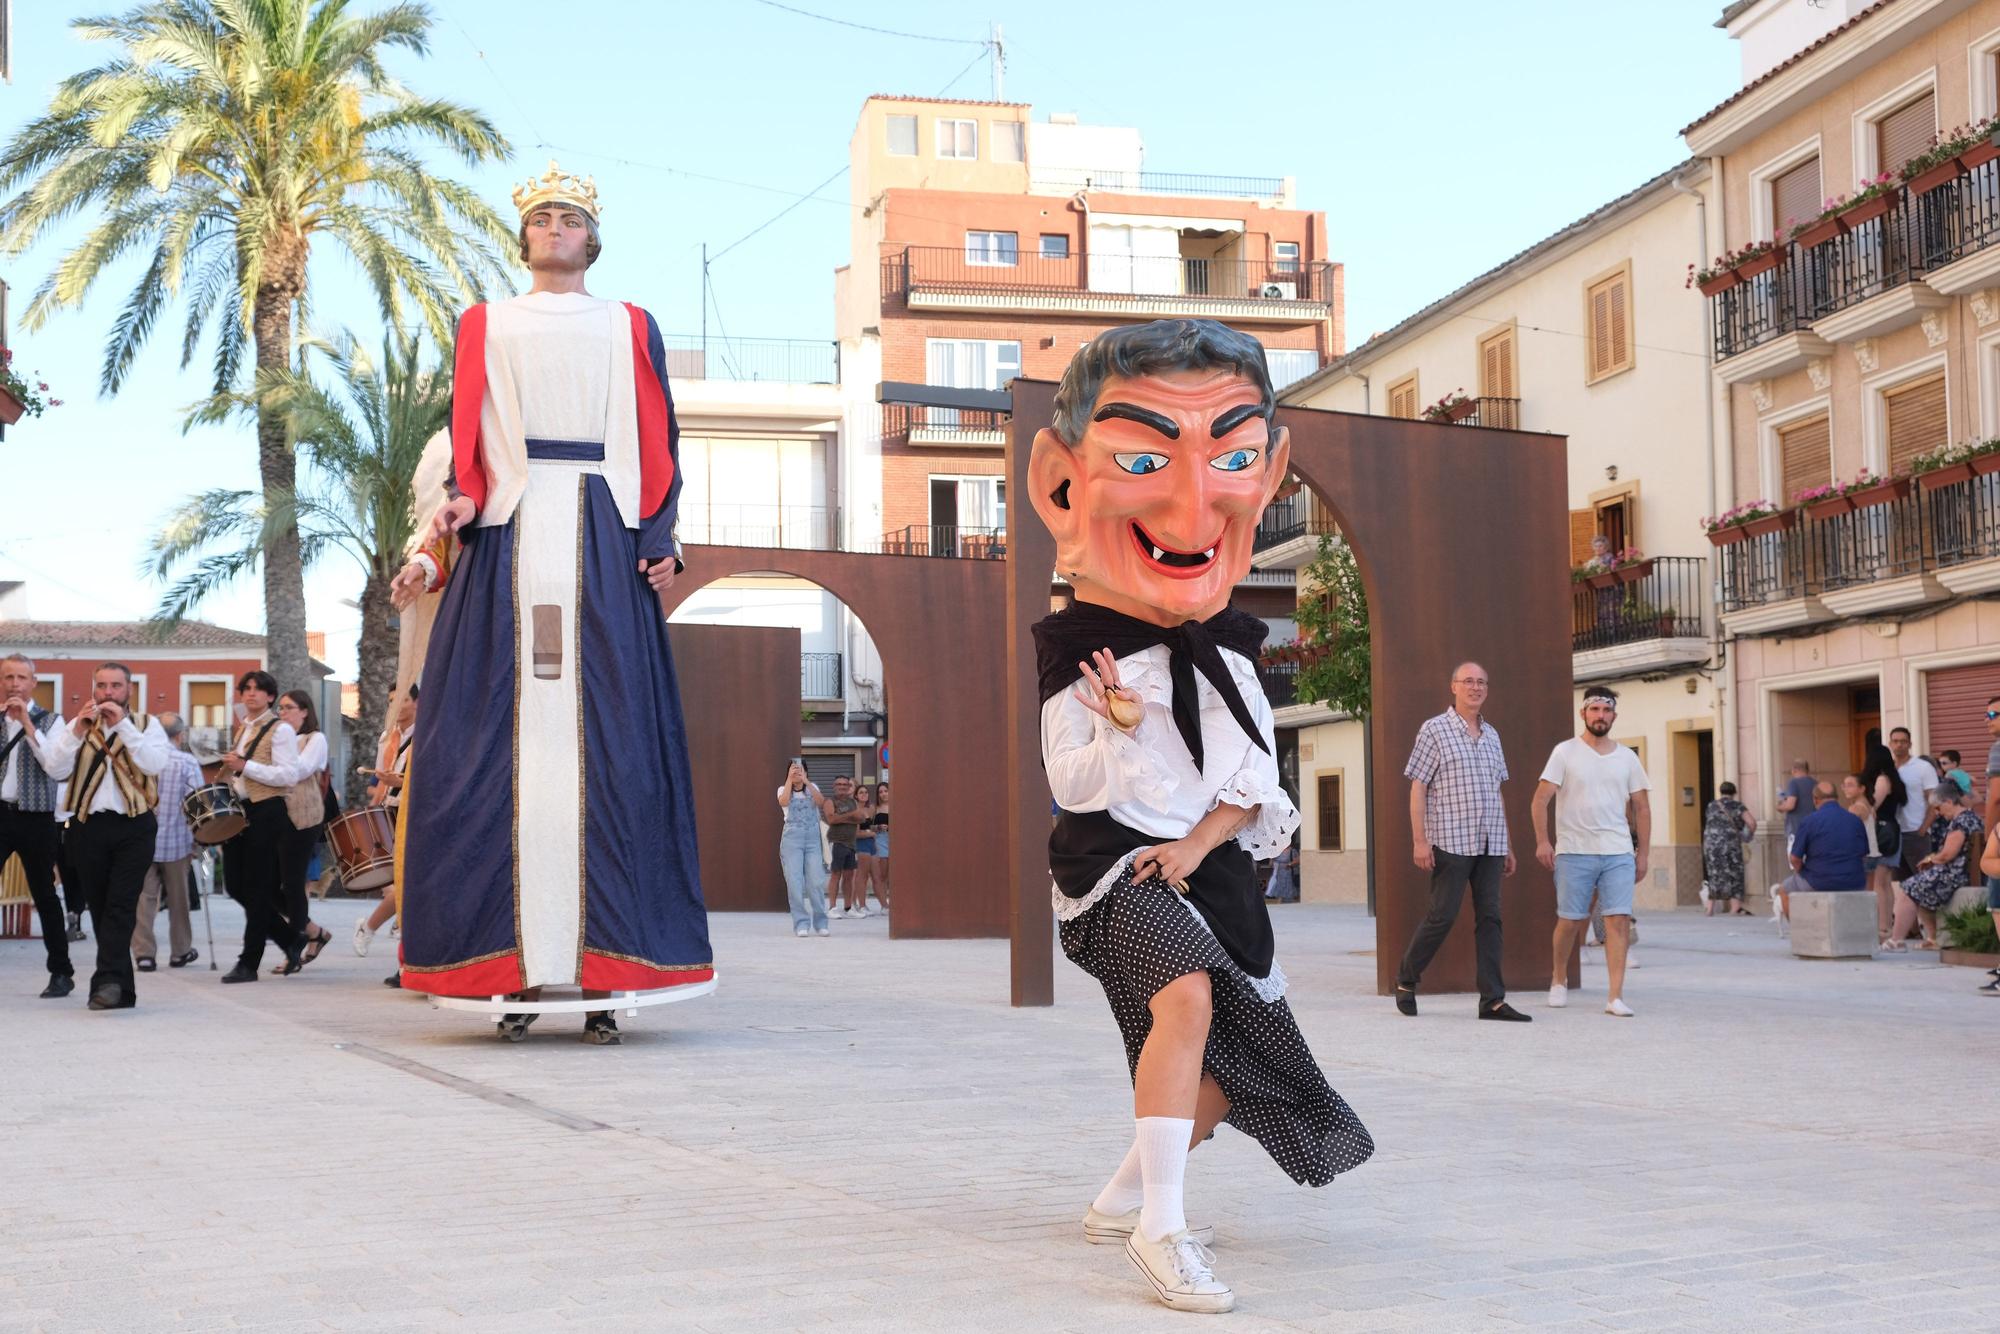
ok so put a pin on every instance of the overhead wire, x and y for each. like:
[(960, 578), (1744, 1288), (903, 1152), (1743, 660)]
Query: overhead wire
[(866, 27)]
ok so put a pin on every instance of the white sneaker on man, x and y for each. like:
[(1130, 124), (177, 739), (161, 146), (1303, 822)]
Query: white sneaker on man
[(1619, 1008), (1177, 1267), (1558, 996), (363, 937), (1101, 1229), (802, 931)]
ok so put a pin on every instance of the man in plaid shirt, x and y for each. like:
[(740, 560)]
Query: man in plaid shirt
[(1459, 829), (173, 852)]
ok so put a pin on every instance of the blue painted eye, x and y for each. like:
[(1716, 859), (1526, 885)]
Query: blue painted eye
[(1236, 460), (1141, 464)]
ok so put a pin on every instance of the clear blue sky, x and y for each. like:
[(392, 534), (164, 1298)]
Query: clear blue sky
[(1438, 138)]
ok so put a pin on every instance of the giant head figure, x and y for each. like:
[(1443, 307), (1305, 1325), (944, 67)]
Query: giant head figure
[(1162, 457)]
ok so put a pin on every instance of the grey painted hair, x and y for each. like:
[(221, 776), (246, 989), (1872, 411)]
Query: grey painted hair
[(1149, 349)]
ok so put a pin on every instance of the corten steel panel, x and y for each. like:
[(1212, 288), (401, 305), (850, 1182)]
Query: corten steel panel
[(1461, 534), (940, 627), (1031, 561), (740, 738)]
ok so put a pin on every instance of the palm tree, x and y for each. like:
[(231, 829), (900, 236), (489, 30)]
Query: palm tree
[(222, 139), (363, 437)]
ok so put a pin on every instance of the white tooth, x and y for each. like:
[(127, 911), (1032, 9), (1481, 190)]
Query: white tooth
[(1208, 554), (1158, 554)]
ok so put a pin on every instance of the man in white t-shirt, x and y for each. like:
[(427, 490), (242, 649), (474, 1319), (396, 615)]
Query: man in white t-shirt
[(1599, 788), (1920, 785)]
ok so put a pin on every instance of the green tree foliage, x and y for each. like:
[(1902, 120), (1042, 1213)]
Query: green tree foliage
[(218, 142), (1333, 631)]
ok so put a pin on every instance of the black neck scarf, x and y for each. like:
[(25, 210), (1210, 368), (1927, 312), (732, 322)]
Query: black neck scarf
[(1071, 636)]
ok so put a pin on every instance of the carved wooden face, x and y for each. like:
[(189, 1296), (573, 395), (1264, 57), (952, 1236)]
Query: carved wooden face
[(1163, 493)]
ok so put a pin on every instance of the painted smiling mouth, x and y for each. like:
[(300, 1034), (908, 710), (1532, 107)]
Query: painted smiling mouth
[(1167, 556)]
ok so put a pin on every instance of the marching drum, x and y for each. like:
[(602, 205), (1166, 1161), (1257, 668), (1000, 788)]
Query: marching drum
[(364, 843), (214, 813)]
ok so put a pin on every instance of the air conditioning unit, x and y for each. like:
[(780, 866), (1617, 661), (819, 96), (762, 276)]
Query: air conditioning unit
[(1279, 291)]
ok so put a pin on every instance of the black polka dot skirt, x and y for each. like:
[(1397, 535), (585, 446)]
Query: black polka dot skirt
[(1137, 939)]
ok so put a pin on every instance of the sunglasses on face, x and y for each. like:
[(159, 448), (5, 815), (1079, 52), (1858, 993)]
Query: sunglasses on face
[(1991, 714)]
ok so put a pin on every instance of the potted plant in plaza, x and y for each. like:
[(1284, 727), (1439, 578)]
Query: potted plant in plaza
[(19, 397), (1753, 518), (1867, 489)]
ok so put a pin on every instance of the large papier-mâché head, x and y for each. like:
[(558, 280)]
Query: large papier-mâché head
[(1162, 457)]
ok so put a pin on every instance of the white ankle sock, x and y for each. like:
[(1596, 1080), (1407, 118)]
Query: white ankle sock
[(1163, 1154), (1126, 1190)]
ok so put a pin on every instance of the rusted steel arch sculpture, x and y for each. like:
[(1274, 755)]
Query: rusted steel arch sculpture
[(937, 622)]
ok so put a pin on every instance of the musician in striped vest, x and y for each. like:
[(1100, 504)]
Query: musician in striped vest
[(112, 759), (265, 751), (27, 798)]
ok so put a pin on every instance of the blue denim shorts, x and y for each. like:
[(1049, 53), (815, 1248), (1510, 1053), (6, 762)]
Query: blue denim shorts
[(1610, 876), (1993, 893)]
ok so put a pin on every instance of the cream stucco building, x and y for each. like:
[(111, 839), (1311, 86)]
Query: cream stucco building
[(1593, 334)]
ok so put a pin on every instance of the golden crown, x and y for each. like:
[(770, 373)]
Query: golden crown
[(558, 187)]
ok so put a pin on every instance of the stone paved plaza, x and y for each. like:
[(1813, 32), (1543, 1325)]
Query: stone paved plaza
[(859, 1134)]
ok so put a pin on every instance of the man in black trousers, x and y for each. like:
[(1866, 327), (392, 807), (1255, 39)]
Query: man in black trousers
[(1459, 829), (27, 803), (111, 758)]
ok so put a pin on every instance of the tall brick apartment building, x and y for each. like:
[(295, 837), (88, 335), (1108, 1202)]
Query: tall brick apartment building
[(988, 245)]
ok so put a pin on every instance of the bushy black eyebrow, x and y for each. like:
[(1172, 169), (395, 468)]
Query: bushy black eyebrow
[(1132, 412), (1234, 418)]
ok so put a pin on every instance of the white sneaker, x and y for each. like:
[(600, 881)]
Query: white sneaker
[(1632, 958), (1619, 1008), (363, 937), (1112, 1229), (802, 931), (1177, 1267), (1558, 996), (822, 931)]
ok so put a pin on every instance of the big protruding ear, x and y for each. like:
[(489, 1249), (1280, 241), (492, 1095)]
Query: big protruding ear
[(1278, 459), (1055, 477)]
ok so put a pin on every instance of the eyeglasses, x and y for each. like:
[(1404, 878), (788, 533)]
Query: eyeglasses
[(1991, 714), (1479, 681)]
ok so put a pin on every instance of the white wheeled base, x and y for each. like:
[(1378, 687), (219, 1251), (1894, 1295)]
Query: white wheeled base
[(630, 1002)]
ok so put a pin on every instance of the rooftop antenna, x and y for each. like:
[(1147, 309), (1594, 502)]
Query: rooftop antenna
[(996, 46)]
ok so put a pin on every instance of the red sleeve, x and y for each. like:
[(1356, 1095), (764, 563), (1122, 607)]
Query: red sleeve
[(656, 454), (468, 395)]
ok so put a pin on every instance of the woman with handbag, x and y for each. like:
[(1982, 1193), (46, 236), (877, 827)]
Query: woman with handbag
[(1725, 827), (304, 783)]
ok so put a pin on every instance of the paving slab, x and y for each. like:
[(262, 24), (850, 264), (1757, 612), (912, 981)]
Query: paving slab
[(858, 1133)]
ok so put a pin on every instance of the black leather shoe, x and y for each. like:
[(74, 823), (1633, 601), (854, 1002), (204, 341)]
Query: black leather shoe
[(1406, 1001), (1502, 1010), (183, 960), (294, 960), (393, 980), (110, 996), (144, 965), (240, 973), (58, 987)]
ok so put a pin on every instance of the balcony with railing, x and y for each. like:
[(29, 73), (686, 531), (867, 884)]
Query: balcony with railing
[(819, 676), (920, 424), (1649, 617), (1922, 544), (1128, 181), (974, 279), (799, 527), (945, 539), (1288, 534), (1498, 413), (1870, 270), (1281, 683), (783, 360)]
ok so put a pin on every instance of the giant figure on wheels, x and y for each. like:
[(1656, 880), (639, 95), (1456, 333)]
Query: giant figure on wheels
[(551, 832)]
